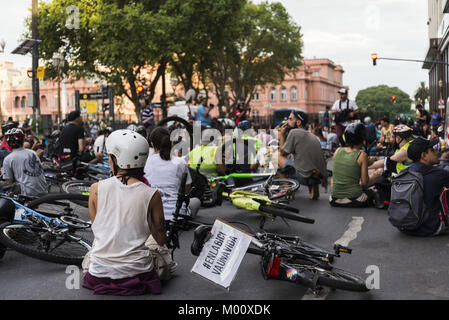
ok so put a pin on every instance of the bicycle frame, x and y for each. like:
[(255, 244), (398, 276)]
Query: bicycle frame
[(23, 213)]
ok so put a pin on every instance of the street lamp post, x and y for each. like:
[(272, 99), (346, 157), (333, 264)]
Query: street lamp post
[(58, 63)]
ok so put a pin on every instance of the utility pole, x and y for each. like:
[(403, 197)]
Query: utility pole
[(35, 54)]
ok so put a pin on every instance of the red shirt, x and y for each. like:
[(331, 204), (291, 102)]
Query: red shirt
[(5, 145)]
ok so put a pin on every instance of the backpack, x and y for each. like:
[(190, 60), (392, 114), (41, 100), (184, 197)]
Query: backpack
[(407, 210)]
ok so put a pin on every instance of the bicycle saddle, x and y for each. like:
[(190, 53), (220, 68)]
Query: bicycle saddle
[(200, 236)]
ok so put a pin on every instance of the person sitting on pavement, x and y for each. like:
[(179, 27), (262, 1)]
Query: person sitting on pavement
[(402, 137), (350, 170), (22, 166), (164, 172), (386, 132), (127, 220), (100, 143), (435, 181), (308, 156)]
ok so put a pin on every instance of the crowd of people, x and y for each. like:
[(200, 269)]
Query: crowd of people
[(128, 210)]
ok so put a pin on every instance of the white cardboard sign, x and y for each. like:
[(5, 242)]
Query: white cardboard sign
[(222, 254)]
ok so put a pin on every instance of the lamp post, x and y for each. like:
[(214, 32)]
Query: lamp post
[(58, 63)]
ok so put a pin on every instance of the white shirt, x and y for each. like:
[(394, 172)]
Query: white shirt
[(166, 175), (121, 228), (344, 106)]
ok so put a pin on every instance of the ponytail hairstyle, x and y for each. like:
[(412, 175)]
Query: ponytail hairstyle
[(136, 173), (160, 138)]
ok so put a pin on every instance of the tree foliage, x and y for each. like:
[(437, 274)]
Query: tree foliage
[(261, 48), (422, 93), (233, 44), (377, 101)]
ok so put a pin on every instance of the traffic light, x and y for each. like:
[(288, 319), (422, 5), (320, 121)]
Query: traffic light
[(142, 91), (393, 99), (374, 57), (104, 91)]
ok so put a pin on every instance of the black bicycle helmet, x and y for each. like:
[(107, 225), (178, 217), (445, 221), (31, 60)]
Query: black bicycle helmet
[(7, 210), (355, 134), (403, 131), (141, 130), (15, 137)]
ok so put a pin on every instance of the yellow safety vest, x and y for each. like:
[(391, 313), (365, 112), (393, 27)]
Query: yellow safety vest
[(400, 165), (208, 165)]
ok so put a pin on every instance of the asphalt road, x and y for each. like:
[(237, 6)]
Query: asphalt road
[(409, 268)]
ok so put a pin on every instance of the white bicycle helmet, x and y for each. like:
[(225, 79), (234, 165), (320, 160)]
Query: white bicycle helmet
[(129, 148)]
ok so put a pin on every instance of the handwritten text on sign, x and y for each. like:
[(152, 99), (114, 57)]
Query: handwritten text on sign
[(222, 254)]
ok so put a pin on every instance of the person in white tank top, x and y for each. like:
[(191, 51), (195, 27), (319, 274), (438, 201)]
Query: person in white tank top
[(124, 212)]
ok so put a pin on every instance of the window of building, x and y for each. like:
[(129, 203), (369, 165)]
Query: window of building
[(17, 102), (294, 94), (306, 94), (331, 74), (284, 94), (256, 96), (273, 94), (316, 74), (332, 97), (23, 102)]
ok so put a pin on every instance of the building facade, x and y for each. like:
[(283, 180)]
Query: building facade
[(311, 88)]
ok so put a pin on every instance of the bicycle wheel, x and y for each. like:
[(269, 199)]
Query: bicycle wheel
[(325, 276), (277, 189), (340, 279), (280, 188), (284, 214), (76, 187), (62, 204), (39, 243)]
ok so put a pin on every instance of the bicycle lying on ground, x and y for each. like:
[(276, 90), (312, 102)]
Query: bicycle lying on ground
[(291, 259), (264, 206), (47, 228)]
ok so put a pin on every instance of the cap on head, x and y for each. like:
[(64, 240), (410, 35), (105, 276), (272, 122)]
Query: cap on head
[(343, 91), (301, 115), (418, 146)]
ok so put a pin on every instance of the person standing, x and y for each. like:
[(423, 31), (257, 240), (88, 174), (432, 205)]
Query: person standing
[(423, 117), (326, 118), (345, 112), (147, 114), (203, 113)]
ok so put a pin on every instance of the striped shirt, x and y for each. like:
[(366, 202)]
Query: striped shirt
[(146, 113)]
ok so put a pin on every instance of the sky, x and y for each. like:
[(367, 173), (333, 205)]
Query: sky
[(344, 31)]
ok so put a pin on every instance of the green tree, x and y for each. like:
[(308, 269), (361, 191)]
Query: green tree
[(201, 29), (422, 93), (377, 101), (114, 41), (262, 47)]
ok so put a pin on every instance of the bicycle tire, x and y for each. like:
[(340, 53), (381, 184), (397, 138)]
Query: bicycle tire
[(343, 280), (76, 187), (287, 215), (10, 235), (290, 186), (78, 199)]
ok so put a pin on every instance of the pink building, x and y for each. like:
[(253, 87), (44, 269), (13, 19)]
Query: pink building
[(313, 87)]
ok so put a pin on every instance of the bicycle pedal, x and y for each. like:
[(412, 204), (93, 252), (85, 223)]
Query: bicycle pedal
[(342, 249)]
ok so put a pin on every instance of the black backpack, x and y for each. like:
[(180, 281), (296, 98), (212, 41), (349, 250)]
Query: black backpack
[(407, 210)]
